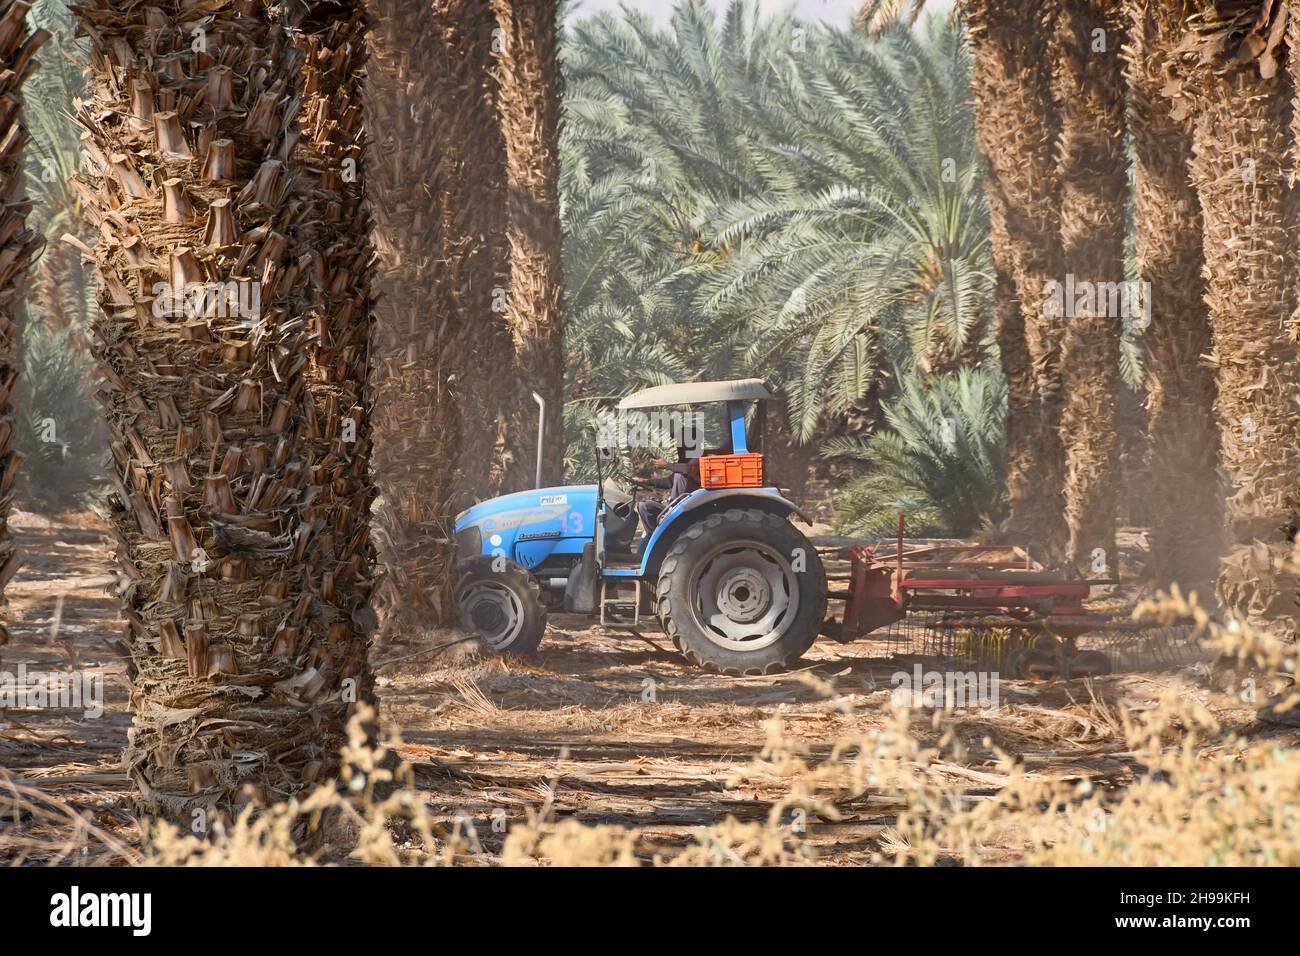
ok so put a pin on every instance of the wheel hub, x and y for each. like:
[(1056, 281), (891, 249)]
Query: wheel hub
[(491, 611), (745, 596), (487, 615)]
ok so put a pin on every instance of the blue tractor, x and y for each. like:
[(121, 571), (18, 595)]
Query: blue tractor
[(725, 573)]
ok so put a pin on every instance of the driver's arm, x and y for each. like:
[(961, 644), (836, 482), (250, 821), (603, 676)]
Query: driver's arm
[(655, 481)]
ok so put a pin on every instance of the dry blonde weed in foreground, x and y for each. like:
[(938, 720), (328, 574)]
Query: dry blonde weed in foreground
[(1198, 796)]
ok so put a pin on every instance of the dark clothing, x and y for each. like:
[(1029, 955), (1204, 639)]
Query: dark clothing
[(684, 479), (650, 510)]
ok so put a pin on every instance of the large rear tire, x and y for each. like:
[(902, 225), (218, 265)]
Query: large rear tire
[(742, 592), (501, 604)]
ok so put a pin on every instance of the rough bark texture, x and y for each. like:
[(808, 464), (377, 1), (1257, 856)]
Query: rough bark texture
[(240, 504), (528, 104), (1088, 84), (333, 228), (18, 246), (1185, 502), (1016, 125), (1132, 507), (1240, 156), (59, 290), (1024, 422), (438, 172)]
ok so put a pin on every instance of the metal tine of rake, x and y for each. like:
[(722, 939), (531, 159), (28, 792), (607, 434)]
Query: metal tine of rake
[(1151, 648)]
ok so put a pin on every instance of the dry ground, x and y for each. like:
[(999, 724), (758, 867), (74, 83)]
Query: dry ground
[(602, 727)]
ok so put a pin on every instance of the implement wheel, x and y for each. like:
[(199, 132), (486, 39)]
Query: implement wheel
[(742, 592)]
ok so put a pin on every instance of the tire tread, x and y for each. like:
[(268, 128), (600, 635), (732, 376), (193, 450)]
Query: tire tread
[(677, 555)]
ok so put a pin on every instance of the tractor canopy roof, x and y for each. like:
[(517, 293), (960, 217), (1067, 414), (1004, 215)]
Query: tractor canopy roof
[(695, 393)]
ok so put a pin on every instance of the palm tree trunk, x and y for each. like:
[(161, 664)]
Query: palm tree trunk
[(1088, 83), (1017, 127), (1186, 506), (528, 104), (1241, 148), (61, 290), (1024, 422), (239, 500), (441, 352), (18, 246), (330, 168)]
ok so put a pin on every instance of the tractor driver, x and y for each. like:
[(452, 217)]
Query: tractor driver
[(683, 478)]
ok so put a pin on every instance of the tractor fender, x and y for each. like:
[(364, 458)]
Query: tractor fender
[(700, 504)]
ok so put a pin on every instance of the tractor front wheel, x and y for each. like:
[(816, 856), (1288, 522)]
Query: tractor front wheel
[(742, 592), (500, 603)]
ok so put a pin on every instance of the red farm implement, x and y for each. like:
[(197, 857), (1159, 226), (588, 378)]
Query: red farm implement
[(977, 602)]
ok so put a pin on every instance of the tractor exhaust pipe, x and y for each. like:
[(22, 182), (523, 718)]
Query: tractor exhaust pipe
[(541, 435)]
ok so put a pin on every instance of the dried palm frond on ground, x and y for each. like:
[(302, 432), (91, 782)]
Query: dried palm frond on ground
[(1192, 795), (605, 750), (41, 828)]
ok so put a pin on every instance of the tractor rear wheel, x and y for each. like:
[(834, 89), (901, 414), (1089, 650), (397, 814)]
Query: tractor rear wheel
[(742, 592), (500, 603)]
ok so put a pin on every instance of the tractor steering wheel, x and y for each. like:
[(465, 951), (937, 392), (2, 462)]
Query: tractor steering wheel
[(626, 483), (634, 486)]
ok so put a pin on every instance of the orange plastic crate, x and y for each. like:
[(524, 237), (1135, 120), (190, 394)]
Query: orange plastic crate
[(731, 471)]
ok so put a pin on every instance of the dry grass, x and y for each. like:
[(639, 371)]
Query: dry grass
[(37, 827), (565, 761), (1195, 793)]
